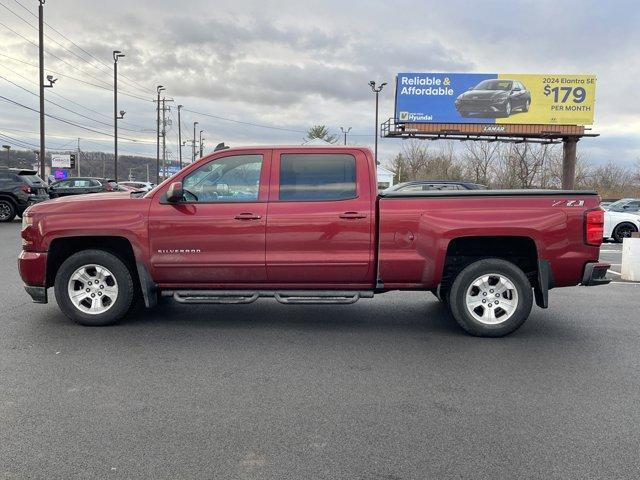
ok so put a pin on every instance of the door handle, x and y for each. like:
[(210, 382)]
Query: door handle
[(352, 215), (247, 216)]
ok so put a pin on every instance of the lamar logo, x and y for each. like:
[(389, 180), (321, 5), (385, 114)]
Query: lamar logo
[(404, 116), (172, 251), (495, 128)]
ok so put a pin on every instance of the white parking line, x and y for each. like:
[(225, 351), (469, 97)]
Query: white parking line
[(613, 271), (625, 283)]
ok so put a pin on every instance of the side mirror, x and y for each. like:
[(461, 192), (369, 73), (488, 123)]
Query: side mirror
[(175, 193)]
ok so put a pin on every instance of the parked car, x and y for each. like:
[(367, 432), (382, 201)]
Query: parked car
[(430, 185), (204, 236), (494, 98), (628, 205), (140, 186), (81, 186), (620, 225), (19, 188)]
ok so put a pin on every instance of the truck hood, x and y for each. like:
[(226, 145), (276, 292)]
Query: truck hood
[(89, 203)]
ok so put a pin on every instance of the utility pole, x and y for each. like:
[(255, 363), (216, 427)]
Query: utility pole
[(8, 149), (164, 135), (159, 89), (201, 143), (179, 137), (41, 55), (193, 159), (42, 85), (78, 158), (377, 91), (164, 140), (116, 55), (345, 133)]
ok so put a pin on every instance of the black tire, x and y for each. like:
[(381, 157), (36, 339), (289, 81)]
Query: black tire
[(526, 106), (507, 110), (119, 271), (623, 230), (7, 210), (463, 282)]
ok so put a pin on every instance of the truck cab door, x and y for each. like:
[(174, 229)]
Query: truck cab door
[(321, 219), (215, 236)]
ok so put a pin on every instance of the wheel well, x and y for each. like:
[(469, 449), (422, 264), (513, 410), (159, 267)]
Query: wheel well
[(465, 250), (8, 197), (62, 248), (625, 223)]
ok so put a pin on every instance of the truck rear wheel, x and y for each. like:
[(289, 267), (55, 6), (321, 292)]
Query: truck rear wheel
[(94, 288), (491, 298)]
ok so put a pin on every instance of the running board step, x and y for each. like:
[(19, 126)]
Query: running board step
[(287, 297)]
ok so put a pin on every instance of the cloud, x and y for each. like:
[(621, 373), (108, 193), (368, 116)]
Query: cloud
[(287, 64)]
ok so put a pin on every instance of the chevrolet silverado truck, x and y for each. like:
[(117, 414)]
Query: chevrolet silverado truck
[(306, 225)]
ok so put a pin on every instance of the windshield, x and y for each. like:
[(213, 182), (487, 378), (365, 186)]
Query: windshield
[(504, 85)]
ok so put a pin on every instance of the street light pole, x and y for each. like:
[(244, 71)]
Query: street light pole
[(116, 55), (159, 89), (194, 141), (179, 137), (201, 143), (41, 56), (377, 91), (345, 133)]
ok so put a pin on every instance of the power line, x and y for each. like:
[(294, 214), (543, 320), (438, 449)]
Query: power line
[(65, 108), (83, 127), (245, 123), (64, 47), (64, 75), (142, 87), (142, 129)]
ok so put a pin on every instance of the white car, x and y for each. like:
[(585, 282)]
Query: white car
[(619, 225), (143, 186)]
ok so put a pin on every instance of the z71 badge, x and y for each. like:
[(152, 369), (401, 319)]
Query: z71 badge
[(569, 203)]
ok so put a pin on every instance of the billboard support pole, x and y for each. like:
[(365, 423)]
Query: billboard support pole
[(569, 162)]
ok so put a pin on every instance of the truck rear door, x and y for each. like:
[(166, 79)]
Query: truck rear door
[(320, 218)]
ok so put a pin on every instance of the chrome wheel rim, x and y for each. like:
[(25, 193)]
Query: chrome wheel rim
[(5, 211), (492, 299), (93, 289), (507, 108)]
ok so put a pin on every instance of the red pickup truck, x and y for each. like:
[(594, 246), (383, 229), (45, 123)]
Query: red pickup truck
[(306, 225)]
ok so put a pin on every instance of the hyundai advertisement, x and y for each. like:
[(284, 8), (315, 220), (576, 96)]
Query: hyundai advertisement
[(495, 98)]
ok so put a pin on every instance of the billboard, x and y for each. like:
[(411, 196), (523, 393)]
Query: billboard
[(503, 98)]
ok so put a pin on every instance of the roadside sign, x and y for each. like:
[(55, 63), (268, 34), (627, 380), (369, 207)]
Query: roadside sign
[(60, 161)]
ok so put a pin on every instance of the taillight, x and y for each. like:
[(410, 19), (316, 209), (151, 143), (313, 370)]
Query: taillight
[(109, 187), (594, 227), (26, 188)]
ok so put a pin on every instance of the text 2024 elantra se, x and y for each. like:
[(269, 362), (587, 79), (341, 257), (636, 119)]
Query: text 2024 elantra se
[(494, 98)]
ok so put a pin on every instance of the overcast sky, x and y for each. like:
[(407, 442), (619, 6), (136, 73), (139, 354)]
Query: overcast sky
[(292, 64)]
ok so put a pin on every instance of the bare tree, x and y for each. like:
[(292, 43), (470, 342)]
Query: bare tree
[(479, 161)]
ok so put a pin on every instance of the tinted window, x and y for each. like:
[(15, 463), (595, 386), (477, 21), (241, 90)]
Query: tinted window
[(31, 179), (228, 179), (317, 176)]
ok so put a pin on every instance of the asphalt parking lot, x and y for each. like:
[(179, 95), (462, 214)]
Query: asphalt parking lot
[(388, 388)]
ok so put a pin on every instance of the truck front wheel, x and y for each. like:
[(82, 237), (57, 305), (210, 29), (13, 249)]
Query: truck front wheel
[(94, 288), (491, 298)]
